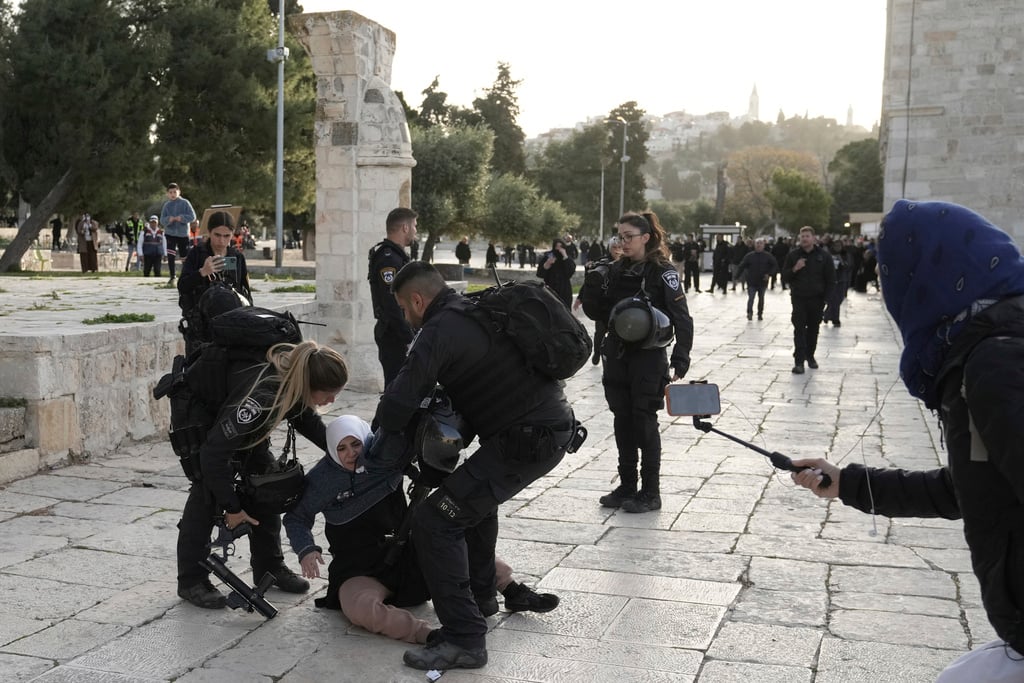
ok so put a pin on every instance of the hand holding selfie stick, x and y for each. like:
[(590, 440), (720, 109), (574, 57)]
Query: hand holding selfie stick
[(700, 399)]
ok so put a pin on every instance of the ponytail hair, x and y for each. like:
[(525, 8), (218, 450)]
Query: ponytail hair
[(299, 370), (655, 249)]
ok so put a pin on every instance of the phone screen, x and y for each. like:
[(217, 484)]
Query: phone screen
[(692, 399)]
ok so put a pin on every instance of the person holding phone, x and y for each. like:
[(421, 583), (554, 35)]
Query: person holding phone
[(214, 263), (811, 275)]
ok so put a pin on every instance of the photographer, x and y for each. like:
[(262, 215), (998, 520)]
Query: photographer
[(290, 385), (556, 269), (214, 261), (954, 285)]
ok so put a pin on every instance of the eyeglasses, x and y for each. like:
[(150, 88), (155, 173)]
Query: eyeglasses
[(627, 237)]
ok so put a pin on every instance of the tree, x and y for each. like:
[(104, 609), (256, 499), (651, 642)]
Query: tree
[(798, 199), (499, 109), (516, 212), (636, 150), (449, 179), (671, 185), (857, 180), (750, 178), (220, 143), (435, 110), (78, 105), (569, 172)]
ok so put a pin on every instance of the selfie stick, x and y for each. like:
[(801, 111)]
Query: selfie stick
[(777, 459)]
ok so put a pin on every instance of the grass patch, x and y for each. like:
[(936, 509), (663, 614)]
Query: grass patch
[(310, 289), (270, 277), (6, 402), (108, 318)]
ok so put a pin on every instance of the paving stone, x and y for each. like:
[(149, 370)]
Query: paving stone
[(709, 542), (134, 606), (566, 504), (74, 674), (11, 501), (665, 623), (657, 562), (640, 586), (550, 531), (894, 581), (17, 548), (214, 675), (644, 656), (848, 661), (899, 629), (64, 487), (103, 513), (162, 649), (46, 599), (834, 552), (16, 668), (13, 626), (153, 536), (803, 608), (65, 639), (710, 521), (54, 525), (958, 561), (96, 568), (142, 496), (357, 658), (978, 626), (741, 672), (770, 573), (529, 558), (584, 615), (904, 604), (766, 644)]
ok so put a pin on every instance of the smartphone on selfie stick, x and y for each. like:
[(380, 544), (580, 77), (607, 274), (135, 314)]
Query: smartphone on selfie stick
[(701, 400)]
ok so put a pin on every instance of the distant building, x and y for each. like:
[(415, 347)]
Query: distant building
[(752, 109)]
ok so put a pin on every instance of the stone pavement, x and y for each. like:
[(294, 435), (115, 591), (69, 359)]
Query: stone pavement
[(740, 577)]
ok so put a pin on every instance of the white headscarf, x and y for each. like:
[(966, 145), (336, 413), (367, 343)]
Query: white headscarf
[(341, 427)]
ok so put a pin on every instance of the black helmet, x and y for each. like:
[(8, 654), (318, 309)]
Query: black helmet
[(637, 323), (439, 435)]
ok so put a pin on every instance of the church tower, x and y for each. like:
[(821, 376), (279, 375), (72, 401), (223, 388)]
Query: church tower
[(753, 107), (849, 116)]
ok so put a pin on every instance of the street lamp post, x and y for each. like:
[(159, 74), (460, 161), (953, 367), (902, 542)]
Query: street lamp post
[(625, 158), (278, 56), (600, 220)]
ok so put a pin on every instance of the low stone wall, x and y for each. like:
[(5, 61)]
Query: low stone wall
[(89, 392)]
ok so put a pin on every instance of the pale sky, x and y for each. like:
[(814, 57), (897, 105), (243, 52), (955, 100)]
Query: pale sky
[(579, 59)]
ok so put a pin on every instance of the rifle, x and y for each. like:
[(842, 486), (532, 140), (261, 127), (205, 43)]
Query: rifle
[(242, 595), (418, 492)]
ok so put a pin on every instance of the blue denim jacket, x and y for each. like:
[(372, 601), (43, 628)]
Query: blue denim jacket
[(340, 494)]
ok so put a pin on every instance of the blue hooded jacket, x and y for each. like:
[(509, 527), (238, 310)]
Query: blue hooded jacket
[(940, 264)]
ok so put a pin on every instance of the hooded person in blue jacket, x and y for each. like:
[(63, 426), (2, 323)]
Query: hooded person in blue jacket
[(954, 285)]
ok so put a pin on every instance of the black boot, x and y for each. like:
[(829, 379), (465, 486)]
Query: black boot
[(644, 501), (616, 498)]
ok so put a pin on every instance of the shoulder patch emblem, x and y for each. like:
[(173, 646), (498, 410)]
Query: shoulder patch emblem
[(388, 274), (248, 411), (671, 278)]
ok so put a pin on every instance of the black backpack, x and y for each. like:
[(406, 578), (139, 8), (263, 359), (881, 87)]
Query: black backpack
[(553, 341)]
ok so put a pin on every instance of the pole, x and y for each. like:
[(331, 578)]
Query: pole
[(279, 210), (600, 221), (622, 175)]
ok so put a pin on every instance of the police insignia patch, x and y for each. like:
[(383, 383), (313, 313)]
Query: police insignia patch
[(388, 275), (248, 411), (671, 278)]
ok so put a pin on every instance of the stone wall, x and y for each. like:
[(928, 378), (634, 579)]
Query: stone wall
[(87, 393), (953, 107)]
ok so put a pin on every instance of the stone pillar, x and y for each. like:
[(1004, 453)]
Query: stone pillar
[(363, 170), (953, 111)]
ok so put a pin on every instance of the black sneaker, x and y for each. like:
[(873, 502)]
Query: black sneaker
[(442, 655), (203, 595), (798, 369), (521, 598), (750, 316), (643, 502), (285, 579), (617, 497), (812, 364)]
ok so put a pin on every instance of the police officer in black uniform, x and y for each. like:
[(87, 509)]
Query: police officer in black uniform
[(524, 424), (636, 372), (811, 275), (258, 397), (392, 333)]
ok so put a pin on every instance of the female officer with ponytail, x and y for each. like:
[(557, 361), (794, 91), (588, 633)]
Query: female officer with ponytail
[(643, 302), (290, 385)]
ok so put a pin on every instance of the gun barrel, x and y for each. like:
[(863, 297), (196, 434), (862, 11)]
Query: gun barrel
[(247, 597)]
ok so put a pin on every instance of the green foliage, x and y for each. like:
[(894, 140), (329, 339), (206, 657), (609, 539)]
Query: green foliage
[(683, 218), (750, 174), (516, 212), (569, 172), (108, 318), (8, 402), (449, 179), (499, 109), (797, 200), (857, 180), (636, 150), (309, 288)]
